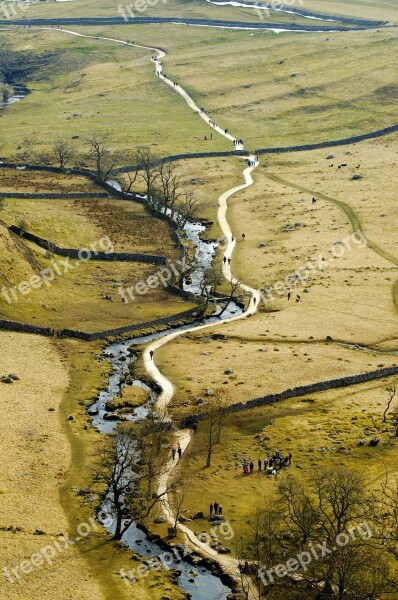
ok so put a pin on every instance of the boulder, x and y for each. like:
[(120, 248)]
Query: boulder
[(199, 515)]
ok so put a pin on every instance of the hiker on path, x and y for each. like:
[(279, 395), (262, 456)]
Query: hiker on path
[(254, 300), (251, 467), (229, 261), (232, 238), (216, 508), (151, 354), (243, 236), (225, 259), (173, 453), (179, 450), (259, 465), (265, 464), (211, 509), (288, 296), (290, 458), (220, 510)]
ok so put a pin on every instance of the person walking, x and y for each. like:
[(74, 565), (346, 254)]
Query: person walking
[(179, 450), (290, 458), (225, 259), (220, 511), (229, 261), (211, 509), (251, 467), (243, 236), (288, 296), (254, 300), (259, 465), (216, 508), (265, 464), (151, 354), (173, 453), (232, 238)]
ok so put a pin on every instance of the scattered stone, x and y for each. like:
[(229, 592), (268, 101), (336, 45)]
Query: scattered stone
[(71, 418), (356, 176), (209, 393), (224, 550), (228, 371), (199, 515), (160, 520)]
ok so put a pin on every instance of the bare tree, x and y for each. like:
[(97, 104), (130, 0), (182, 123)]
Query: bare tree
[(391, 393), (115, 471), (147, 163), (187, 206), (234, 287), (62, 152), (211, 279), (168, 184), (105, 161), (177, 500)]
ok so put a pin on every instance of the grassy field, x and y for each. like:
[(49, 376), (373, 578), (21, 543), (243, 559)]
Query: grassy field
[(44, 458), (165, 8), (321, 431), (272, 92), (98, 86)]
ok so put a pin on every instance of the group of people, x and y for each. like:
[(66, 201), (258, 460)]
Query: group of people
[(176, 451), (227, 260), (216, 508), (238, 142), (272, 464)]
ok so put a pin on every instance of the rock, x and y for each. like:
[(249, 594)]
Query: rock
[(110, 417), (262, 245), (199, 515), (160, 520), (87, 427), (209, 393), (13, 377), (200, 401), (6, 379), (228, 371), (38, 532), (51, 409), (224, 550), (262, 350), (330, 157), (356, 176), (71, 418), (374, 442), (329, 338)]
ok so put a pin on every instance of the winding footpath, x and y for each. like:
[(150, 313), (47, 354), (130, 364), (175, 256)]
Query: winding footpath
[(228, 564)]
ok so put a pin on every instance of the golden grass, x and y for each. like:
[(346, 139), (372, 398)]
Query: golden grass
[(35, 461), (321, 431)]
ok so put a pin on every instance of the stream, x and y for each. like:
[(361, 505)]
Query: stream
[(197, 581), (20, 92)]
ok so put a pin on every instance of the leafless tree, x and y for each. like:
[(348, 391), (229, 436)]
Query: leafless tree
[(62, 152), (187, 206), (105, 161), (167, 185), (177, 499), (234, 288), (147, 163), (211, 279), (391, 393)]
